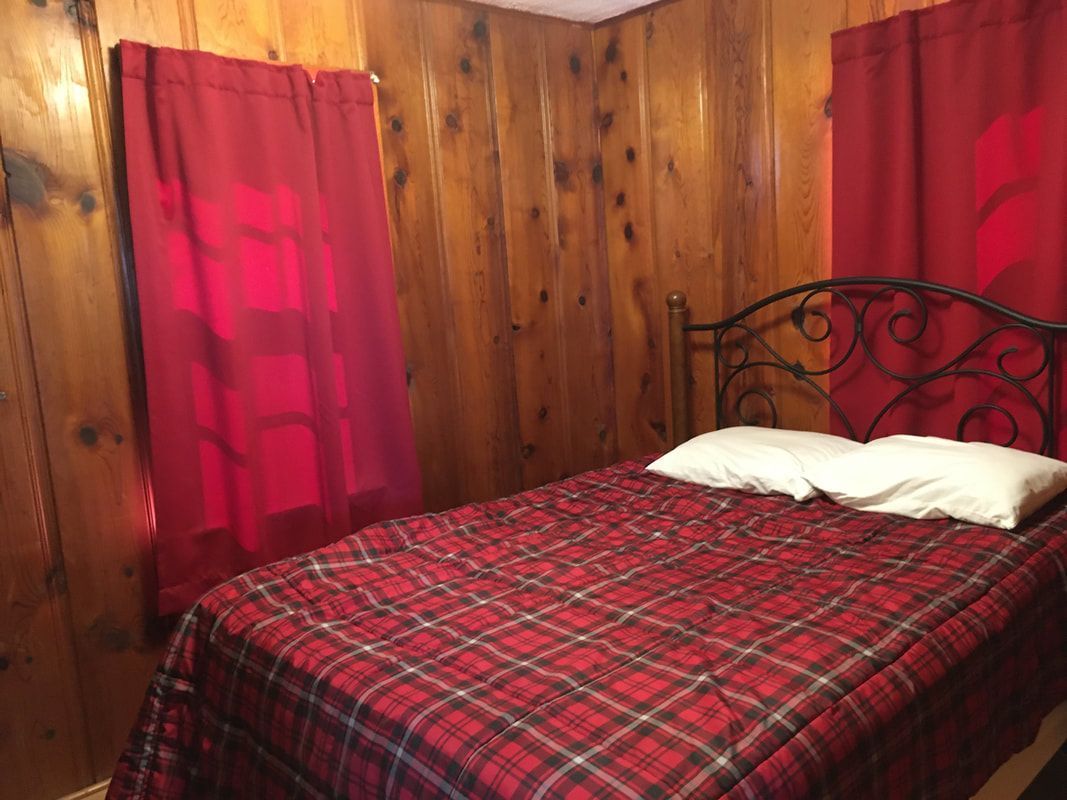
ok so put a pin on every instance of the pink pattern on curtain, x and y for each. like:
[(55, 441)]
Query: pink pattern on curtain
[(950, 165), (277, 405)]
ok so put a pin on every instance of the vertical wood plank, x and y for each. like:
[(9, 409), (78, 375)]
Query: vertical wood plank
[(529, 212), (686, 255), (636, 293), (396, 53), (860, 12), (240, 28), (155, 22), (460, 81), (742, 136), (44, 749), (67, 266), (321, 33), (742, 142), (163, 23), (585, 299), (802, 127)]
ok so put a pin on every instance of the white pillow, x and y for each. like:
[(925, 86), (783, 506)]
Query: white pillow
[(752, 459), (924, 477)]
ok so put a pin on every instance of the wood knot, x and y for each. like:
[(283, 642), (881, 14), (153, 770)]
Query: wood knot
[(598, 172), (670, 165), (542, 412), (27, 180), (89, 435), (396, 124), (480, 29), (628, 231), (109, 635), (828, 106), (81, 11), (620, 199), (631, 154), (272, 54), (87, 203), (581, 299), (624, 76), (400, 177), (543, 296), (575, 63), (528, 450), (535, 212), (561, 171), (607, 120), (611, 52), (55, 580), (660, 428), (452, 121), (465, 65)]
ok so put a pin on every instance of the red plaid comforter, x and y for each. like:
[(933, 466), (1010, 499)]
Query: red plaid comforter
[(617, 634)]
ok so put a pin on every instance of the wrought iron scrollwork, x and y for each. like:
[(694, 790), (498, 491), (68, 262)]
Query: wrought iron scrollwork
[(978, 408), (855, 301)]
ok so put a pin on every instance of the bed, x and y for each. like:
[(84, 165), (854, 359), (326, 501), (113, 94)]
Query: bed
[(621, 634)]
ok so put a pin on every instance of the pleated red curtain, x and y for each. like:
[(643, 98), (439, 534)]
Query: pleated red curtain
[(950, 165), (277, 404)]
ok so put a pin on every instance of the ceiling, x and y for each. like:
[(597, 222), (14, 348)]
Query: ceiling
[(579, 10)]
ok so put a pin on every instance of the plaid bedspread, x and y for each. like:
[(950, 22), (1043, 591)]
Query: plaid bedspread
[(617, 634)]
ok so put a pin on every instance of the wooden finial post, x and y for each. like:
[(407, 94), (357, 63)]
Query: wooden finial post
[(677, 311)]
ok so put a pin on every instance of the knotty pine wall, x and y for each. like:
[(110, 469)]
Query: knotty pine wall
[(548, 184), (715, 122)]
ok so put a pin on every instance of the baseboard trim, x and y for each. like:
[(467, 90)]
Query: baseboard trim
[(95, 792)]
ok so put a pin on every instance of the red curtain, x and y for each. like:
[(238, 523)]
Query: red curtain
[(950, 165), (277, 406)]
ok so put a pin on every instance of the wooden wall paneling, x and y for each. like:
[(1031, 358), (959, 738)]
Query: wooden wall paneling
[(164, 23), (741, 134), (43, 737), (460, 81), (585, 299), (682, 171), (395, 51), (322, 33), (241, 28), (860, 12), (802, 134), (637, 297), (529, 201), (69, 275)]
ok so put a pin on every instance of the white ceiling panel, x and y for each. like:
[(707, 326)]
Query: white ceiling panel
[(578, 10)]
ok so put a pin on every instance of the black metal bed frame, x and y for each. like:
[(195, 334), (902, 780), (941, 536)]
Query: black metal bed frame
[(854, 298)]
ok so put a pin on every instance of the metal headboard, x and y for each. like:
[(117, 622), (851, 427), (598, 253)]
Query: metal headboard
[(736, 337)]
